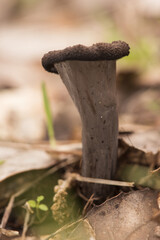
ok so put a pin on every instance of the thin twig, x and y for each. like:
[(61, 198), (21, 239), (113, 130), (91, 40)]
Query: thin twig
[(156, 170), (88, 204), (9, 208), (26, 221), (102, 181)]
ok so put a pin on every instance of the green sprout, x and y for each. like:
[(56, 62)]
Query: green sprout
[(37, 207), (48, 116), (33, 214)]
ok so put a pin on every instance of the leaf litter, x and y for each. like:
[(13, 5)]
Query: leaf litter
[(140, 206)]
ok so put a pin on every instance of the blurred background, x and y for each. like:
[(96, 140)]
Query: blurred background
[(30, 28)]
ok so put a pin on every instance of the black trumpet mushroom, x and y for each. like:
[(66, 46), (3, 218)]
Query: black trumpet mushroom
[(89, 74)]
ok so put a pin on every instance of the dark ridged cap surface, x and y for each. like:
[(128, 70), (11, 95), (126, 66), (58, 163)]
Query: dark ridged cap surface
[(98, 51)]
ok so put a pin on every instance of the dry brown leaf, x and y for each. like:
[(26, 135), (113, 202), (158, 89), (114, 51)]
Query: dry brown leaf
[(126, 217), (14, 161), (148, 141)]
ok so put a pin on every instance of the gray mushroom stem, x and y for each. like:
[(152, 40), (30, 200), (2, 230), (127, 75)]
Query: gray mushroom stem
[(92, 87)]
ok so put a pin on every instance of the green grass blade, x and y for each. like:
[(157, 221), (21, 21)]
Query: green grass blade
[(48, 116)]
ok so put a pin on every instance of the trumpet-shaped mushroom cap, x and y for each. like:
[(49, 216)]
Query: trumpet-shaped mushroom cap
[(96, 52)]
